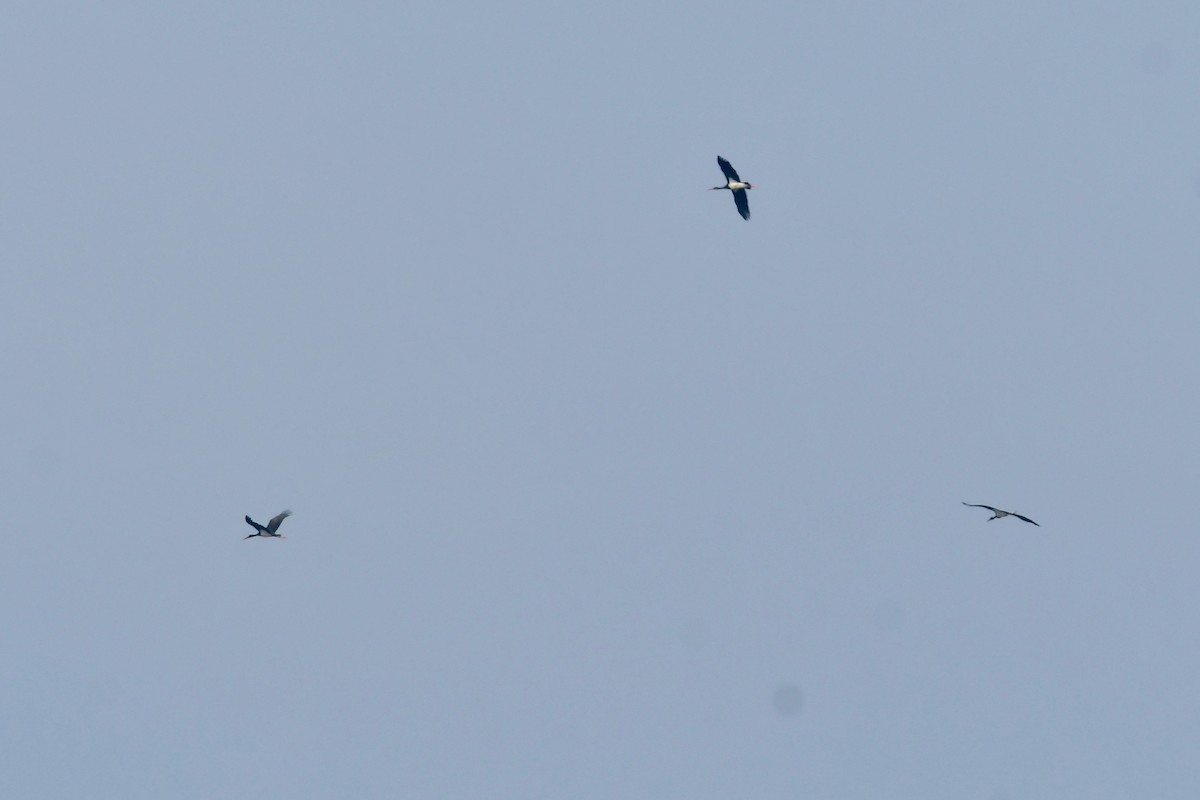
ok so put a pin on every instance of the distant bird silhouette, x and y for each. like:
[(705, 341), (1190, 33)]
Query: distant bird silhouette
[(270, 528), (736, 185), (998, 514)]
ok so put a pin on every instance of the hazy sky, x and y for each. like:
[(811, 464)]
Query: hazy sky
[(600, 491)]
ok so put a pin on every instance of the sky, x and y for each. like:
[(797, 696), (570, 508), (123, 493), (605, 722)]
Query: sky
[(599, 490)]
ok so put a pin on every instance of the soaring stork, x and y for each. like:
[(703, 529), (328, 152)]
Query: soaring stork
[(998, 514), (736, 185), (270, 528)]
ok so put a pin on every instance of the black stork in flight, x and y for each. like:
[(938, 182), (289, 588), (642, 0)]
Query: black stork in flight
[(998, 514), (736, 185), (270, 528)]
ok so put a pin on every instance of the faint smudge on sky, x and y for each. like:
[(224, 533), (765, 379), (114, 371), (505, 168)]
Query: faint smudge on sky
[(788, 699), (1155, 59)]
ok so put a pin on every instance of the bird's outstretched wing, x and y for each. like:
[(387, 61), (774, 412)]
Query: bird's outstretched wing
[(1027, 519), (257, 527), (273, 525), (743, 204), (976, 505), (727, 168)]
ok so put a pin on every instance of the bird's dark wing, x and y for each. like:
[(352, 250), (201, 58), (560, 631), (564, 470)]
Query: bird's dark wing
[(989, 508), (727, 168), (743, 204), (257, 527), (273, 525), (1027, 519)]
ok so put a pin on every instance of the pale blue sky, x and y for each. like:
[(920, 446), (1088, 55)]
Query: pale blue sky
[(584, 467)]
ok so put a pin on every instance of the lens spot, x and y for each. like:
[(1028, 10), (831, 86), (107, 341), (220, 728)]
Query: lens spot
[(788, 699), (1156, 60)]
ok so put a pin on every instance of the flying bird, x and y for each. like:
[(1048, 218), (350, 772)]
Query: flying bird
[(270, 528), (736, 185), (997, 513)]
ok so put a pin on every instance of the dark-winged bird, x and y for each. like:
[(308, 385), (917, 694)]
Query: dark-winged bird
[(270, 528), (736, 185), (997, 513)]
